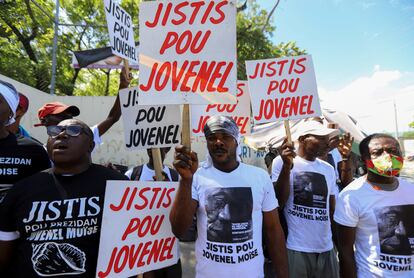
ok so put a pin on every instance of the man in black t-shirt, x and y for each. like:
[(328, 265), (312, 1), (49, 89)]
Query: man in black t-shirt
[(20, 157), (50, 222)]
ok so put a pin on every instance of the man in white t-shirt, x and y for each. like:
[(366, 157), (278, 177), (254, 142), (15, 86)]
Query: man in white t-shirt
[(305, 187), (375, 214), (233, 202)]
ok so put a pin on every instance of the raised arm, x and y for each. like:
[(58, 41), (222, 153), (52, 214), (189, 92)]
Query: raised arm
[(115, 112), (184, 206), (345, 166), (282, 184)]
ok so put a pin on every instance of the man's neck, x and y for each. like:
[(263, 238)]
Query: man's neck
[(71, 169), (228, 167), (384, 183), (4, 132), (305, 155)]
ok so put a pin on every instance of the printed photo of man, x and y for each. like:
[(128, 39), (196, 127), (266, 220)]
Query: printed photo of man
[(395, 230), (227, 221), (310, 190)]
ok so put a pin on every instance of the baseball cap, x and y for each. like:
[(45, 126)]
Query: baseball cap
[(314, 128), (53, 108), (23, 102)]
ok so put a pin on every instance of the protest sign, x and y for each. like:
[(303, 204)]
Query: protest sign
[(187, 52), (148, 126), (284, 89), (121, 33), (136, 234), (99, 58), (240, 112)]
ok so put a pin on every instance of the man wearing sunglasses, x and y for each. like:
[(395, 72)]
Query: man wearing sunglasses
[(50, 223), (20, 156), (53, 113)]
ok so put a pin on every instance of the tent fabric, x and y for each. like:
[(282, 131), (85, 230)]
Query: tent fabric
[(271, 135)]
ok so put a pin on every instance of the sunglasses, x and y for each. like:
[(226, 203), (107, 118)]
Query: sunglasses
[(71, 130)]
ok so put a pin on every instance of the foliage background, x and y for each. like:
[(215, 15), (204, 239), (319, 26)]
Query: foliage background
[(26, 41)]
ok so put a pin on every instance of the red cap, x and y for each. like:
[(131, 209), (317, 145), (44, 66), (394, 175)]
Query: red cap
[(23, 102), (53, 108)]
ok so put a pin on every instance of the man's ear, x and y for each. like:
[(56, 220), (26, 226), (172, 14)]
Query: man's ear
[(91, 146)]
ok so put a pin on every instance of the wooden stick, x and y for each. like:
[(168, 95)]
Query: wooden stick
[(287, 130), (185, 135), (156, 159), (126, 66)]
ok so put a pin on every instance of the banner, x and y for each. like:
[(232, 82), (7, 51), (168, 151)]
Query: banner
[(240, 112), (187, 52), (284, 89), (121, 33), (148, 126), (136, 234), (99, 58)]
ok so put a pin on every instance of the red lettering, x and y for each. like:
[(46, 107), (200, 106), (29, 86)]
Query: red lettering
[(219, 11), (301, 66), (142, 197), (272, 70), (169, 41), (123, 200), (169, 199), (196, 6), (132, 226), (240, 89), (156, 18), (167, 14), (182, 15)]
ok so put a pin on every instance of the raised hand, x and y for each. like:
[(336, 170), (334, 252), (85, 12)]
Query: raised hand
[(185, 162), (345, 145)]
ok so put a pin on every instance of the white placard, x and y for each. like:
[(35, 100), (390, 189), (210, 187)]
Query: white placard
[(187, 52), (148, 126), (284, 89), (121, 33), (240, 112), (136, 234)]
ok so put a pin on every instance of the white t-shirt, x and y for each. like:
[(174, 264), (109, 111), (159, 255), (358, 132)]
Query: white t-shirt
[(384, 222), (307, 208), (96, 138), (147, 174), (229, 220), (336, 156)]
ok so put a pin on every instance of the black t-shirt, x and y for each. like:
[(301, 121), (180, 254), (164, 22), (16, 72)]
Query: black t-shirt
[(20, 157), (59, 235)]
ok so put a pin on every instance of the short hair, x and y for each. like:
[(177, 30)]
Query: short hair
[(364, 145)]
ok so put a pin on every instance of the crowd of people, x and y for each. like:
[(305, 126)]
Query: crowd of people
[(309, 218)]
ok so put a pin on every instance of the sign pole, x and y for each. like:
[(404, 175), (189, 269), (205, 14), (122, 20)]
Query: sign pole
[(185, 135), (156, 159), (287, 130)]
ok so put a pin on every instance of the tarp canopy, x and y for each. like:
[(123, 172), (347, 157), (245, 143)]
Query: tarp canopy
[(271, 135)]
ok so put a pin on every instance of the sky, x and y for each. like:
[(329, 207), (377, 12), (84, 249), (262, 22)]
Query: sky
[(363, 53)]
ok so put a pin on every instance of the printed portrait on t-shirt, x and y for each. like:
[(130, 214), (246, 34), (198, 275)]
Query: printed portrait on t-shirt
[(396, 229), (55, 259), (310, 190), (229, 214)]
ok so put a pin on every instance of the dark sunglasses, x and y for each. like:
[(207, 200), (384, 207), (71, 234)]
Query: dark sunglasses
[(71, 130)]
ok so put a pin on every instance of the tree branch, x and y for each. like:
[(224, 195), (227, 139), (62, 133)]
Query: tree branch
[(270, 15)]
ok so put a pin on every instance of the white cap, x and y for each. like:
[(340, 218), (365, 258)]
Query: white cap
[(314, 128), (11, 96)]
